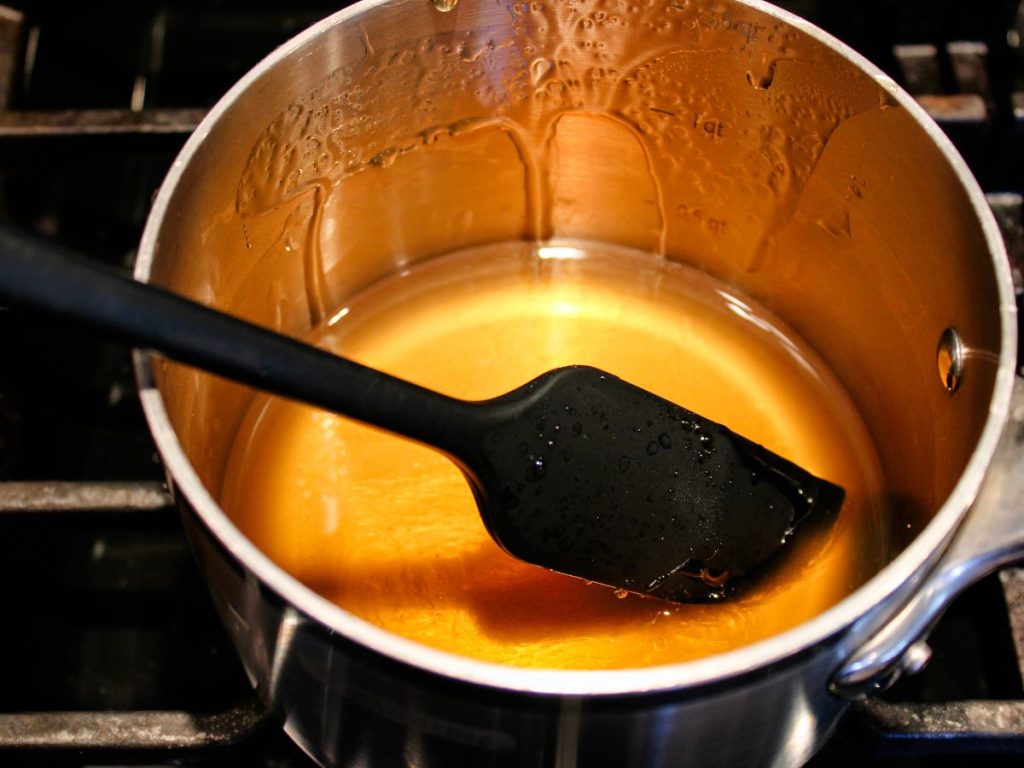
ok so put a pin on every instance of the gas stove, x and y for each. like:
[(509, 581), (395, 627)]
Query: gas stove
[(112, 653)]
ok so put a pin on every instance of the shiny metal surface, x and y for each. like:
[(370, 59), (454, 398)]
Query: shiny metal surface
[(748, 145), (992, 537), (951, 359), (347, 706)]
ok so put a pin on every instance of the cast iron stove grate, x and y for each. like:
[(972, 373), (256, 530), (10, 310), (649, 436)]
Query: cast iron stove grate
[(112, 653)]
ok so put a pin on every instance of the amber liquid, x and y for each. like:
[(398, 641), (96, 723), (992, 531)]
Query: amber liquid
[(389, 530)]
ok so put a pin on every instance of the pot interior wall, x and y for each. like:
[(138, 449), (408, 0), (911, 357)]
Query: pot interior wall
[(708, 132)]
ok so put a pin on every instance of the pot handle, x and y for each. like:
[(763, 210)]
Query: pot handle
[(991, 537)]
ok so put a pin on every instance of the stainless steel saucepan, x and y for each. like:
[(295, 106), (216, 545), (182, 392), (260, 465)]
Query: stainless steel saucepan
[(726, 135)]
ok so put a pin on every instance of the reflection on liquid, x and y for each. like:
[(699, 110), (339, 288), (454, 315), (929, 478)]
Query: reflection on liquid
[(389, 530)]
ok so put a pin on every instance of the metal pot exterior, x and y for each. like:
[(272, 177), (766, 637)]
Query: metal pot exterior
[(726, 135), (346, 705)]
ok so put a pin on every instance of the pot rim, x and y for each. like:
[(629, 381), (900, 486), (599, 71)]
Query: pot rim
[(871, 596)]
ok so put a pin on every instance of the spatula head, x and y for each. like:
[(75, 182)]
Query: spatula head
[(591, 476)]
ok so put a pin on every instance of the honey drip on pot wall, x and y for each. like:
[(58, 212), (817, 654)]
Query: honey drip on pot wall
[(695, 85), (389, 529)]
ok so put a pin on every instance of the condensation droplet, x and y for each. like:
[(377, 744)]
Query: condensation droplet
[(837, 225), (539, 69)]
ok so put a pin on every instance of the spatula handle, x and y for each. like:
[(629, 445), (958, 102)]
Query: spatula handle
[(40, 275)]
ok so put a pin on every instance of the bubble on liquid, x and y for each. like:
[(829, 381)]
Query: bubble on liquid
[(622, 594)]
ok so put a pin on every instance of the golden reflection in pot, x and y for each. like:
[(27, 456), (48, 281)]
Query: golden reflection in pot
[(389, 530)]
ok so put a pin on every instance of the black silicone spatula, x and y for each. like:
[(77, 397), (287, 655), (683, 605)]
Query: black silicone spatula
[(577, 470)]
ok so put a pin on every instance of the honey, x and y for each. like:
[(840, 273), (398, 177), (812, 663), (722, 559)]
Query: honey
[(389, 530)]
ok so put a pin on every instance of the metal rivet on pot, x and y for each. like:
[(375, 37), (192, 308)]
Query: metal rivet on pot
[(444, 5), (917, 657), (951, 359)]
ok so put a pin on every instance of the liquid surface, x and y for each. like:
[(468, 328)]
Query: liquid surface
[(389, 530)]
